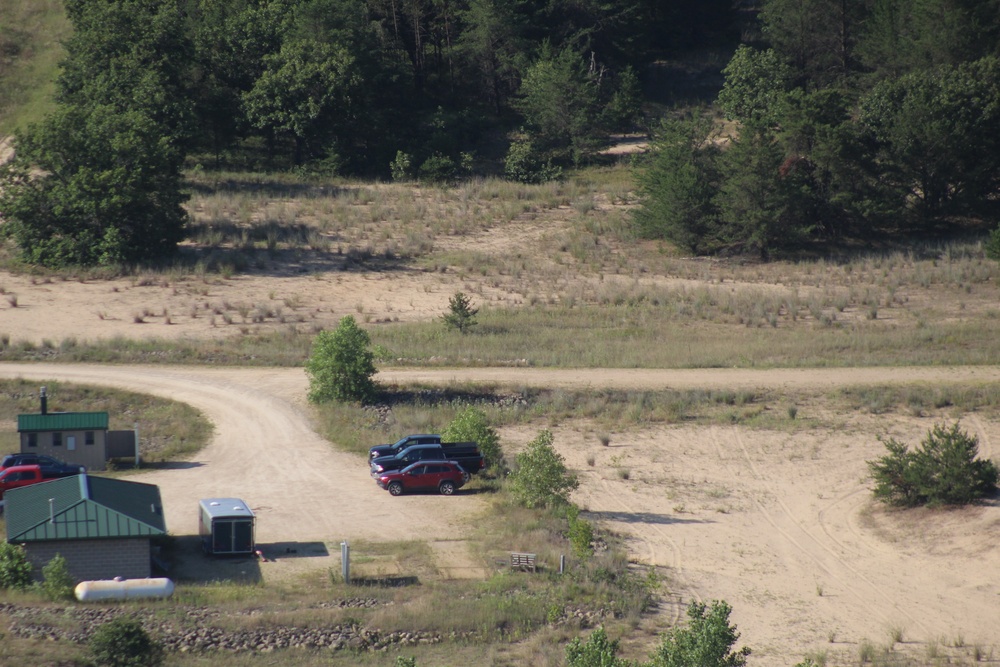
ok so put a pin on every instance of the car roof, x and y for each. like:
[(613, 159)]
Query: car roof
[(20, 468), (429, 461)]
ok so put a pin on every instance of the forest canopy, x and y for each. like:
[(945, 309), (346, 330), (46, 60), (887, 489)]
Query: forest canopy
[(854, 120), (845, 121)]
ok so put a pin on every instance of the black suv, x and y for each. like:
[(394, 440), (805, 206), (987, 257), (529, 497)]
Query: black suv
[(50, 467), (403, 443)]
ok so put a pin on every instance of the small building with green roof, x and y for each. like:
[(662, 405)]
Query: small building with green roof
[(80, 438), (103, 527), (73, 437)]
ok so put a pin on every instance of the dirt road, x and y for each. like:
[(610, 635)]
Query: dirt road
[(779, 524)]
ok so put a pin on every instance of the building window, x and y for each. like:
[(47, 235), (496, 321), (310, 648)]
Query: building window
[(32, 440), (57, 439), (88, 437)]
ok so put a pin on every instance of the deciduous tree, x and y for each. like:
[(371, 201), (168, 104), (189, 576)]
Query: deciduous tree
[(472, 425), (540, 478), (706, 641), (342, 365)]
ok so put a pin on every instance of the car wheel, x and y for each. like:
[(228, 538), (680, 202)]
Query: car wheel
[(396, 489), (466, 476), (447, 488)]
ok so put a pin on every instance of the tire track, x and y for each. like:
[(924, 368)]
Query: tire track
[(845, 574), (674, 559), (985, 446)]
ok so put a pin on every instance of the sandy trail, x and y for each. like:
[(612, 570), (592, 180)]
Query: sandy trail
[(779, 524)]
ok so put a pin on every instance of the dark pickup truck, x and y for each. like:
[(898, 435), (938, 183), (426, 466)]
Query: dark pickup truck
[(403, 443), (466, 454)]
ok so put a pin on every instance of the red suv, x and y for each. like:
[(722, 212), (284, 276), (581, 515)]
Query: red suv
[(17, 476), (445, 476)]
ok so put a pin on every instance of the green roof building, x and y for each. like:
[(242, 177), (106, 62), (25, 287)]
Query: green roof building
[(102, 526)]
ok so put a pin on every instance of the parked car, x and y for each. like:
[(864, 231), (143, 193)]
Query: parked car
[(445, 476), (51, 467), (403, 443), (466, 454), (17, 476)]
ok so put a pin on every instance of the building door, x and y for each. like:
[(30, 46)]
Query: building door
[(70, 443)]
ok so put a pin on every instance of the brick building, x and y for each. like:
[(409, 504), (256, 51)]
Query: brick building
[(103, 527)]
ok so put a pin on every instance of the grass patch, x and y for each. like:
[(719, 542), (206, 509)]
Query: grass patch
[(31, 36), (168, 430)]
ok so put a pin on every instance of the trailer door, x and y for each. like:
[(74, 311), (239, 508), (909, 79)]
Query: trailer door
[(242, 536)]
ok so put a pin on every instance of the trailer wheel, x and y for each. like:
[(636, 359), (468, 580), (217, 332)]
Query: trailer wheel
[(447, 488), (396, 489)]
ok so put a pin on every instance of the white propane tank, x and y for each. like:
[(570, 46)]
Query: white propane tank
[(123, 589)]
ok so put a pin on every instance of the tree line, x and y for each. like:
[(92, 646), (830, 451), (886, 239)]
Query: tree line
[(866, 120), (349, 87)]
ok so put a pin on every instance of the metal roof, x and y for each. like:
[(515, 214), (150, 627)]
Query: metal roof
[(63, 421), (83, 507), (225, 508)]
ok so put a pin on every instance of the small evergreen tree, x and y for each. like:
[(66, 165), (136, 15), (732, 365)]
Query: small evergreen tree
[(342, 365), (15, 570), (124, 643), (943, 470), (541, 478), (472, 425), (461, 315), (57, 582)]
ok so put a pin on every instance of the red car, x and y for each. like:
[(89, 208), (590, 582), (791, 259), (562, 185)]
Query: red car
[(17, 476), (445, 476)]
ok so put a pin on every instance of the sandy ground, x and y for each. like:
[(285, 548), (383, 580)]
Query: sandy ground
[(779, 524)]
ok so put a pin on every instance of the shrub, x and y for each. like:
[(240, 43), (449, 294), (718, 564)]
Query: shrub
[(472, 425), (15, 570), (523, 164), (707, 641), (438, 169), (461, 315), (342, 365), (124, 643), (400, 167), (581, 537), (57, 582), (598, 651), (942, 471), (992, 246), (541, 478)]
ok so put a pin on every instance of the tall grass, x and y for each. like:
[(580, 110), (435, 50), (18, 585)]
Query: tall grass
[(31, 36)]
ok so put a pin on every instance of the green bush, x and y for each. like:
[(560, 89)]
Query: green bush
[(472, 425), (597, 651), (124, 643), (706, 641), (438, 169), (993, 244), (400, 167), (540, 478), (524, 164), (943, 470), (57, 582), (342, 365), (15, 570), (581, 536)]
